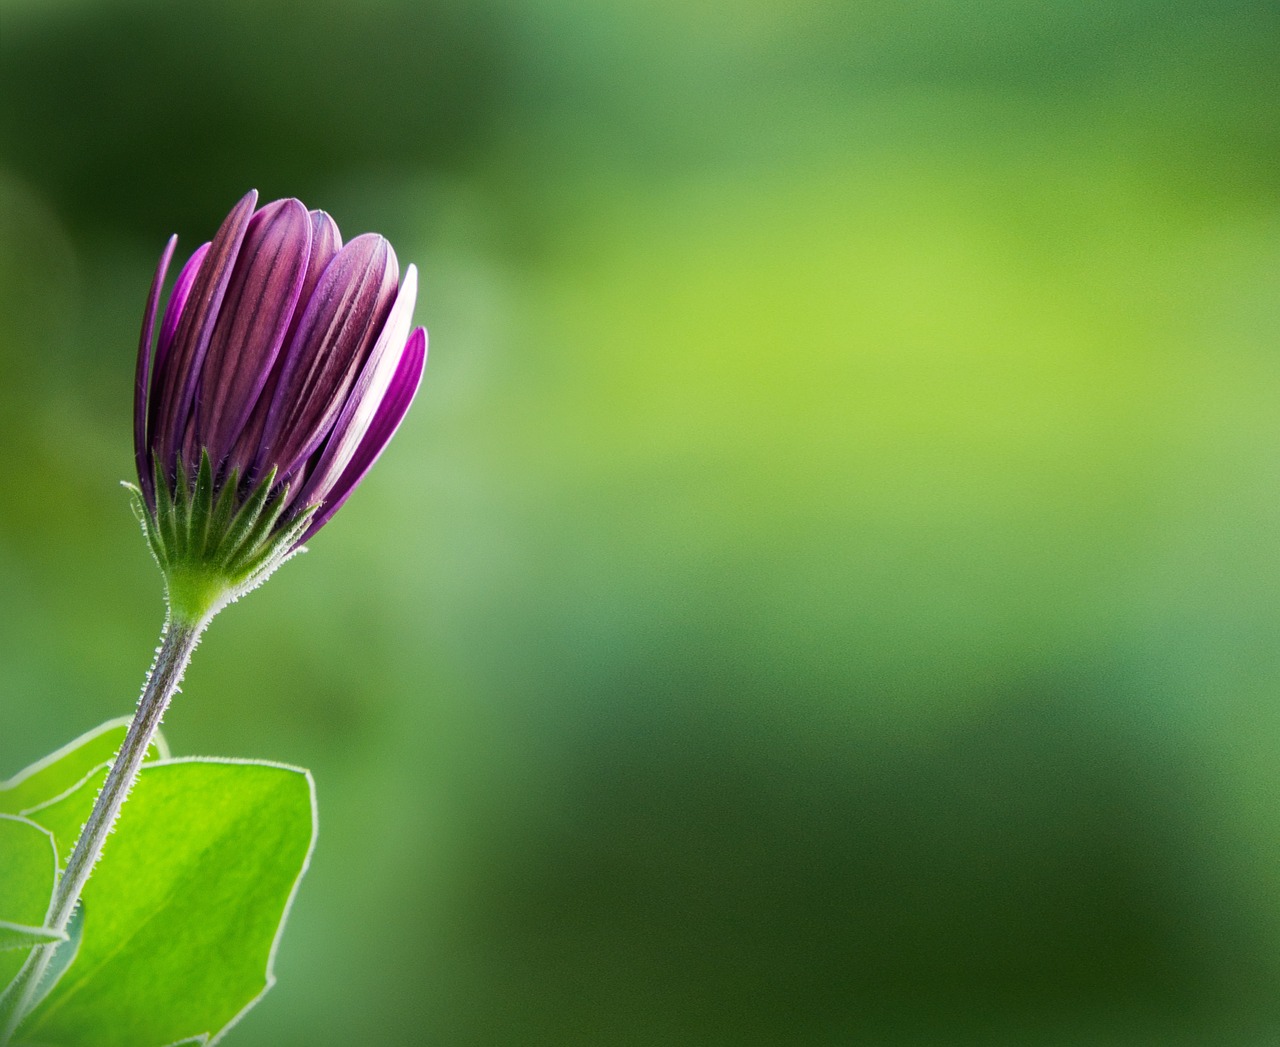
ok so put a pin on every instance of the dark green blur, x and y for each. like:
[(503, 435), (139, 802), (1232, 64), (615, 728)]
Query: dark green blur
[(828, 589)]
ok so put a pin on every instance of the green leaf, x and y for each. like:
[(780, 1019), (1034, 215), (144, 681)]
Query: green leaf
[(185, 909), (28, 869), (67, 768)]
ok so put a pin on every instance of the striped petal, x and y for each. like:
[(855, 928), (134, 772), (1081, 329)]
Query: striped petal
[(142, 374), (326, 241), (256, 313), (177, 302), (400, 393), (366, 394), (325, 355), (164, 344), (195, 327)]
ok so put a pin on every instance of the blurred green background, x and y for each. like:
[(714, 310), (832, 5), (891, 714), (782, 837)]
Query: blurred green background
[(828, 589)]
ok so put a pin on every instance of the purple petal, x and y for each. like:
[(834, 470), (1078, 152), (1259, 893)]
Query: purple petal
[(400, 393), (177, 301), (341, 322), (195, 327), (255, 314), (142, 374), (326, 241), (366, 394), (168, 326)]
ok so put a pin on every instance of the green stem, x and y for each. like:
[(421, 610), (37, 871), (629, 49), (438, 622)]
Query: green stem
[(177, 644)]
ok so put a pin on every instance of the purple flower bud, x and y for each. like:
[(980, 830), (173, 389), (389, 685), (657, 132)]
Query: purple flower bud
[(283, 366)]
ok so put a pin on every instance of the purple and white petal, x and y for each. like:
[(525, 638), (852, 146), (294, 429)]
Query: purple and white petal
[(400, 393), (341, 322), (366, 394)]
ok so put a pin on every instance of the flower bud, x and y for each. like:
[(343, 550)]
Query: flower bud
[(283, 365)]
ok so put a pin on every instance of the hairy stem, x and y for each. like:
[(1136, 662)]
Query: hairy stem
[(176, 646)]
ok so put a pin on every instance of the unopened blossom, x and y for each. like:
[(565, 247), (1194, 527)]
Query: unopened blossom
[(284, 362)]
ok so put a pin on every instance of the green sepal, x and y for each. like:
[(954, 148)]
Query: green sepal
[(242, 522), (225, 505), (166, 534), (140, 511), (262, 560), (213, 544), (252, 541), (201, 506), (181, 513)]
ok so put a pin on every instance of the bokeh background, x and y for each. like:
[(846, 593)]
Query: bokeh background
[(828, 589)]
